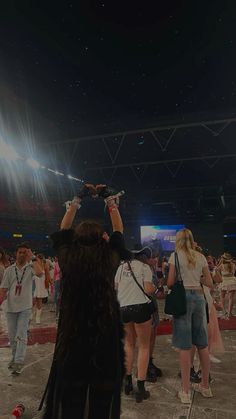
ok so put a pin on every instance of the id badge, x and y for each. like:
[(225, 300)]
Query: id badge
[(18, 289)]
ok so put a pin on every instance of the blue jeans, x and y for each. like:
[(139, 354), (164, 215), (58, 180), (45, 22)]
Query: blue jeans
[(191, 328), (18, 324)]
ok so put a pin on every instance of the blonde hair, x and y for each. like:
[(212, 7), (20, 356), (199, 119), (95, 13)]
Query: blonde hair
[(185, 242)]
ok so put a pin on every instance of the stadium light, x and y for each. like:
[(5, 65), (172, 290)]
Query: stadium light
[(33, 163), (56, 172), (74, 178), (7, 152)]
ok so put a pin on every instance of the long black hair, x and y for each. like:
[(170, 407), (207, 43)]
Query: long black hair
[(88, 301)]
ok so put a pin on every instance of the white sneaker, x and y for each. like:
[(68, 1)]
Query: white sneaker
[(184, 397), (214, 359), (205, 392)]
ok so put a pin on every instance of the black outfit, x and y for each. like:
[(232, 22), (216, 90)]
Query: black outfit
[(88, 384), (137, 313)]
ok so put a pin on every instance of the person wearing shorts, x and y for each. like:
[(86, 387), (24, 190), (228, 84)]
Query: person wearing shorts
[(153, 372), (227, 269), (136, 316), (191, 328)]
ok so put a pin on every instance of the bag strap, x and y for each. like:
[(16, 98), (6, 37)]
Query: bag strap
[(178, 276), (135, 279)]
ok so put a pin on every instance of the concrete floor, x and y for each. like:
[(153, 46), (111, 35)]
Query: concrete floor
[(163, 404)]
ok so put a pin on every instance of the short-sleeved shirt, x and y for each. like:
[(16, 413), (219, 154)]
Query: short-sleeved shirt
[(24, 301), (128, 291), (191, 275)]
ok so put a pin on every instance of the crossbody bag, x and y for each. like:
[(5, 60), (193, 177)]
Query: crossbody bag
[(152, 305), (175, 303)]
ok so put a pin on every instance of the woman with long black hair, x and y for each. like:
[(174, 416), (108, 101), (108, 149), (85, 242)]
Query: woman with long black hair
[(88, 365)]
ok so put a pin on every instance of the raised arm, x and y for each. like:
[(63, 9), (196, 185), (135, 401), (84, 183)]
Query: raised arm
[(69, 216), (72, 206), (117, 224), (35, 263)]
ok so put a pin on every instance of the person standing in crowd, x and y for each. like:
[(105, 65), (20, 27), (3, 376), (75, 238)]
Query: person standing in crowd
[(16, 287), (88, 364), (57, 285), (136, 316), (41, 287), (228, 286), (191, 329), (215, 342), (153, 372), (50, 264), (165, 268), (3, 265)]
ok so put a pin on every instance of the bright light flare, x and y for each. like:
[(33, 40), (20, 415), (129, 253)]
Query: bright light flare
[(7, 152), (33, 163), (56, 172), (74, 178)]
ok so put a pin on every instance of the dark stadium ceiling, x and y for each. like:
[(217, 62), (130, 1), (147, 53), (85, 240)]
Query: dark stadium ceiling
[(142, 98)]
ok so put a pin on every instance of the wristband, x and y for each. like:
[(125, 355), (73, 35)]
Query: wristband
[(75, 203), (112, 208)]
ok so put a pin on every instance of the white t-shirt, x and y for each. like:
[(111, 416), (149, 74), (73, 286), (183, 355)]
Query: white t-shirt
[(51, 266), (128, 291), (191, 275), (24, 301)]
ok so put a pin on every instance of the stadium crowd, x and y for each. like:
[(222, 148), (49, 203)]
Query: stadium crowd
[(106, 302)]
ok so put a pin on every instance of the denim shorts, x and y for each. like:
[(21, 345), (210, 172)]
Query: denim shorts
[(191, 328)]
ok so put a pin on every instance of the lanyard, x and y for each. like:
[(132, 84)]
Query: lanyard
[(19, 281)]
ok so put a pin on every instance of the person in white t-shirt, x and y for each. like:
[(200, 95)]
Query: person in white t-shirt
[(16, 288), (40, 290), (191, 328), (135, 313), (227, 269)]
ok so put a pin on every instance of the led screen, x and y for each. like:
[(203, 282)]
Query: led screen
[(160, 238)]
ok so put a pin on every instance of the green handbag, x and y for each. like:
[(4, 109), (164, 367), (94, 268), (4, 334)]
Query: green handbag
[(175, 303)]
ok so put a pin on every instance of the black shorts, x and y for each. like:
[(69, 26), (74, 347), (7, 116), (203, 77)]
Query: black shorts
[(138, 313)]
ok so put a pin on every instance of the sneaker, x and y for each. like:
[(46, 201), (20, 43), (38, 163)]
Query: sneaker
[(205, 392), (17, 369), (214, 359), (11, 365), (184, 397)]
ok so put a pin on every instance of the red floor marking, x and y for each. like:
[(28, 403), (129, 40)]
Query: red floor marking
[(165, 327), (43, 335), (38, 335)]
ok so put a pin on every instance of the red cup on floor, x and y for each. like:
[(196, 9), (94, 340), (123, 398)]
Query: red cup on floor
[(18, 411)]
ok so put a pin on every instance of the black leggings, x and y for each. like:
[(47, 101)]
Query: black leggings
[(83, 401)]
